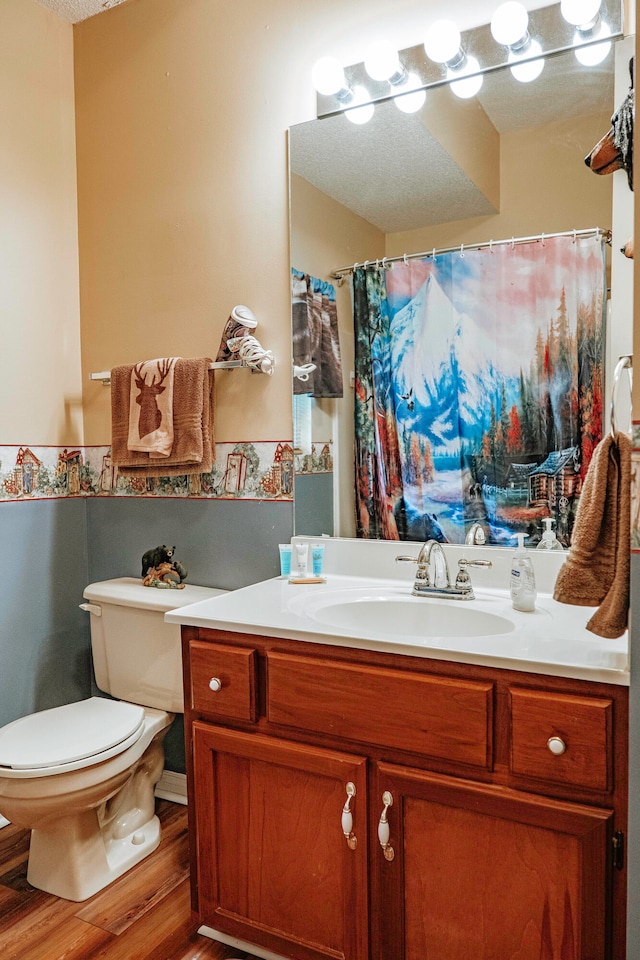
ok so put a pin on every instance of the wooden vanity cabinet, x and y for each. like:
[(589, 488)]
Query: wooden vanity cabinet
[(492, 846)]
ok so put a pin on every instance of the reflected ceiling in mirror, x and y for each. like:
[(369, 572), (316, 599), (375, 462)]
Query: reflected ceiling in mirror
[(405, 171)]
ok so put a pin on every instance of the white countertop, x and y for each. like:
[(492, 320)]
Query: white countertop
[(552, 640)]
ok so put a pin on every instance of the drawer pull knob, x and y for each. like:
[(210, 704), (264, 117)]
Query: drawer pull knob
[(383, 827), (347, 817), (556, 745), (215, 684)]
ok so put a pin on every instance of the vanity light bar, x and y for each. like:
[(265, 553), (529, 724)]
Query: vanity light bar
[(546, 26)]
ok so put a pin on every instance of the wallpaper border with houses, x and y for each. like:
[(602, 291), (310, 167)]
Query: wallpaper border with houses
[(259, 470)]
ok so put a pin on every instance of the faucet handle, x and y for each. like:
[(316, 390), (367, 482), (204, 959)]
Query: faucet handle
[(422, 573), (463, 580)]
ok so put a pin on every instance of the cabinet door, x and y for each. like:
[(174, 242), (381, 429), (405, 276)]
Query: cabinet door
[(486, 872), (274, 865)]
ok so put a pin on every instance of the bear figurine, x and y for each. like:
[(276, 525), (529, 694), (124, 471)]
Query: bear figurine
[(153, 558)]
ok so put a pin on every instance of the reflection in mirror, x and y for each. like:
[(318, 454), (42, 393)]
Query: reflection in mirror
[(508, 164)]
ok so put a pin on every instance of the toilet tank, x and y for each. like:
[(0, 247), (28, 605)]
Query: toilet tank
[(136, 655)]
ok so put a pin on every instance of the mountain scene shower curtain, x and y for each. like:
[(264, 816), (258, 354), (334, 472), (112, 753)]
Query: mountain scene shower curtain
[(478, 389)]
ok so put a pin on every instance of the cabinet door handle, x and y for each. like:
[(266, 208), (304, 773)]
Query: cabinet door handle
[(347, 817), (383, 827), (215, 684), (556, 745)]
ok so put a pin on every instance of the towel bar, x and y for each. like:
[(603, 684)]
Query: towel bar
[(624, 363), (105, 375)]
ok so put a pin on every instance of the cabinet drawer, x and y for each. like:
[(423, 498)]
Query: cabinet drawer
[(440, 717), (578, 727), (223, 680)]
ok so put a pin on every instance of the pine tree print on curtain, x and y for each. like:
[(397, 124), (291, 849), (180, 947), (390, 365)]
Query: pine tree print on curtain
[(479, 382)]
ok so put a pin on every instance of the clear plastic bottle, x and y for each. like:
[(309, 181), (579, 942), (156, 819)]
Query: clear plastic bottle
[(523, 579), (549, 540)]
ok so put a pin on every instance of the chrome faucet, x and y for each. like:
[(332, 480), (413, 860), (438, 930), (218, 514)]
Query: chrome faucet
[(475, 535), (432, 552)]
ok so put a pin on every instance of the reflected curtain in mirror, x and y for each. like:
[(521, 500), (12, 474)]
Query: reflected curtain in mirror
[(478, 389), (316, 344)]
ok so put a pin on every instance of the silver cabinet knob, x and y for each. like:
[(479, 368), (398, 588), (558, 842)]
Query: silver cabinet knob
[(215, 684), (556, 745)]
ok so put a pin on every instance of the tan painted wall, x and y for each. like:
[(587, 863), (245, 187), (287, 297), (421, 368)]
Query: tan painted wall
[(40, 390), (182, 112)]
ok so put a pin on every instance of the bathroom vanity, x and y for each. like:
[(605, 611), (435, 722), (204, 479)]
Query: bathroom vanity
[(377, 799)]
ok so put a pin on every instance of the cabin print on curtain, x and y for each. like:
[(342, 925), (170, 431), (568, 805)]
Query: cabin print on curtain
[(478, 392)]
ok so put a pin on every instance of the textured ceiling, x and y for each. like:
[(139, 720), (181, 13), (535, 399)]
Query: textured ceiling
[(76, 10)]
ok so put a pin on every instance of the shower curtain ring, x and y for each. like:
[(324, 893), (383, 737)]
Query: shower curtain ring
[(490, 246), (542, 238), (575, 235), (404, 257), (433, 255), (462, 251), (513, 243)]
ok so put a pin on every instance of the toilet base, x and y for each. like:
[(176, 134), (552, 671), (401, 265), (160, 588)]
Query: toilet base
[(72, 860), (80, 841)]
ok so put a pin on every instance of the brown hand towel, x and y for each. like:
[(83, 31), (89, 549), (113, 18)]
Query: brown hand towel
[(596, 572), (193, 436)]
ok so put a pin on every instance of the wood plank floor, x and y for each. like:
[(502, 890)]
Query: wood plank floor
[(145, 915)]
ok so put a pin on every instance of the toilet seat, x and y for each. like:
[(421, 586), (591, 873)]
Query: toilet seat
[(69, 737)]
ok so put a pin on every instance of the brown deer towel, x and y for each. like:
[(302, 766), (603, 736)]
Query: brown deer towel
[(151, 407), (193, 437)]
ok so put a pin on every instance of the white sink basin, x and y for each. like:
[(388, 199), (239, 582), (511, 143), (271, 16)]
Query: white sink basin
[(394, 615)]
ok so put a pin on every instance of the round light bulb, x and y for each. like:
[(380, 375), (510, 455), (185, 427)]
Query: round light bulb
[(531, 69), (360, 110), (466, 87), (442, 42), (509, 23), (409, 99), (579, 12), (382, 61), (328, 77), (595, 53)]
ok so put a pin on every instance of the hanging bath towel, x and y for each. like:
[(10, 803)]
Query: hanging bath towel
[(193, 424), (596, 572)]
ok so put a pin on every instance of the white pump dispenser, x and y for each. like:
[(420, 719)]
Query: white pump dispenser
[(549, 540), (523, 579)]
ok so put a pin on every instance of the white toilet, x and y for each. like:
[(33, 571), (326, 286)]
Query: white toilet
[(82, 776)]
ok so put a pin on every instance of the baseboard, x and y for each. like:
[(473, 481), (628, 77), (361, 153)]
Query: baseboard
[(172, 786), (240, 944)]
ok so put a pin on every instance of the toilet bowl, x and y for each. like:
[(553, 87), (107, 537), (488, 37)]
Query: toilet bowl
[(82, 776)]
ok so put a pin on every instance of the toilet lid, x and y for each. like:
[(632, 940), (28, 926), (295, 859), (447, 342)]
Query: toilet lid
[(69, 733)]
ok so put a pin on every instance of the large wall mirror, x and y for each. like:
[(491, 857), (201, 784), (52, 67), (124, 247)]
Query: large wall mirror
[(508, 163)]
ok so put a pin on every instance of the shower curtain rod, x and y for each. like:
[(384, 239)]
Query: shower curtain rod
[(342, 272)]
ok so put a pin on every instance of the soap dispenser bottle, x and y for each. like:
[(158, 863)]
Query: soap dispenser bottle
[(523, 579), (549, 540)]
